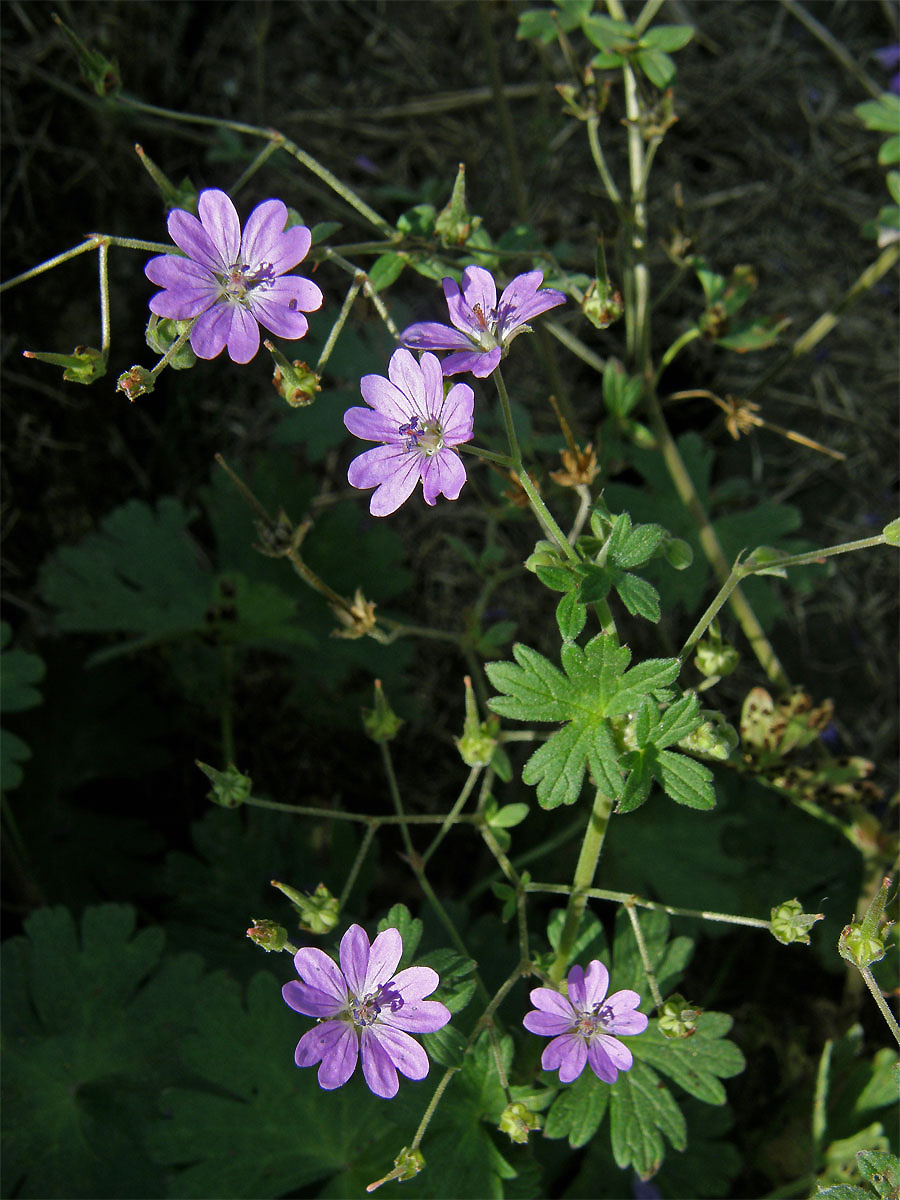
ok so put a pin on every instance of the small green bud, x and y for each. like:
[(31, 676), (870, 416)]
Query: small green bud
[(602, 304), (714, 655), (862, 942), (161, 335), (454, 223), (678, 553), (891, 532), (229, 788), (136, 382), (677, 1018), (713, 738), (295, 381), (479, 738), (318, 912), (381, 723), (267, 934), (83, 365), (101, 73), (176, 195), (517, 1121), (407, 1165), (544, 554), (789, 923)]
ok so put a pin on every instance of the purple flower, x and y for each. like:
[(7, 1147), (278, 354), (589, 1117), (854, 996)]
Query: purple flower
[(419, 427), (484, 328), (581, 1025), (232, 280), (364, 1009)]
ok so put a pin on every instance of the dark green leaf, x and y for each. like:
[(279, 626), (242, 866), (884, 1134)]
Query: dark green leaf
[(668, 37), (570, 616), (409, 928), (641, 1112), (578, 1110), (695, 1063), (639, 597), (385, 270), (457, 985), (447, 1046), (686, 780), (658, 67)]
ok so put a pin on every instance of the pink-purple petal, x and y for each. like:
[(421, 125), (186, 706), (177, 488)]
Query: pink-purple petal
[(380, 394), (457, 414), (415, 983), (181, 305), (374, 466), (189, 235), (243, 335), (262, 228), (396, 489), (429, 335), (380, 1073), (546, 1024), (607, 1057), (311, 1001), (404, 1052), (568, 1054), (442, 474), (220, 220), (209, 335), (416, 1016), (596, 983), (548, 1000), (305, 295), (406, 375), (433, 380), (289, 248), (478, 288), (173, 271), (545, 299), (339, 1062), (371, 425), (278, 318), (480, 362), (319, 971), (354, 954), (383, 959)]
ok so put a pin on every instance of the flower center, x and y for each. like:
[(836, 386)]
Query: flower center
[(484, 335), (241, 280), (426, 436), (594, 1021), (365, 1010)]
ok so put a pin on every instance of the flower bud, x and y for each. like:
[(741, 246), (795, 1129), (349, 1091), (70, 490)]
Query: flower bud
[(862, 942), (677, 1018), (713, 738), (356, 621), (407, 1165), (714, 655), (479, 738), (318, 912), (229, 788), (544, 554), (295, 381), (602, 305), (175, 195), (136, 382), (161, 335), (83, 365), (381, 723), (267, 934), (517, 1122), (454, 223), (100, 72), (789, 923)]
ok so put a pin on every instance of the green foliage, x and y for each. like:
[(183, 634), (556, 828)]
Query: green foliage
[(737, 528), (596, 688), (92, 1028), (624, 549), (19, 672), (578, 1110), (229, 1134)]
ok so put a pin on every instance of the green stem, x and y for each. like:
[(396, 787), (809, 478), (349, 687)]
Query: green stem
[(453, 814), (540, 509), (502, 460), (336, 328), (357, 863), (712, 548), (593, 126), (564, 889), (883, 1007), (103, 270), (585, 869), (645, 957), (675, 349)]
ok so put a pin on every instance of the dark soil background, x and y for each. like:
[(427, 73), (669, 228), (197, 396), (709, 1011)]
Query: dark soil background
[(773, 168)]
